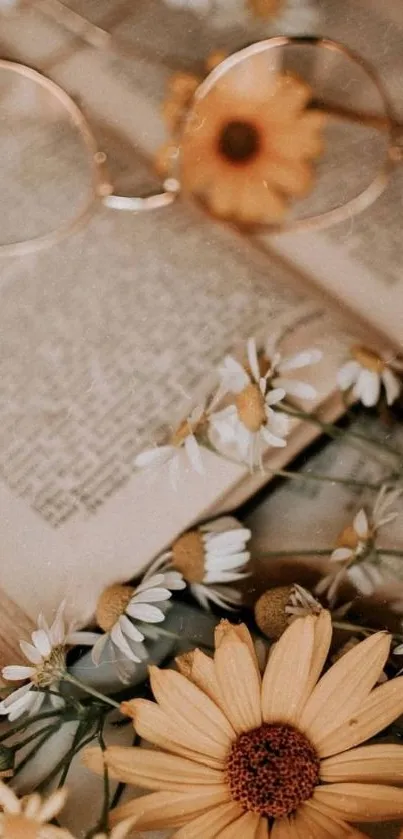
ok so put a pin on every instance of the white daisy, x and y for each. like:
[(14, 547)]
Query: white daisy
[(120, 831), (355, 554), (367, 373), (274, 366), (210, 558), (183, 441), (30, 817), (250, 424), (47, 657), (127, 615)]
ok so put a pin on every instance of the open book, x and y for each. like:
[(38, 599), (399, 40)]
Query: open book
[(110, 338)]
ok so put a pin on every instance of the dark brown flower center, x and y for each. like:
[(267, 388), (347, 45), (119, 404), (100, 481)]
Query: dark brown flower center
[(239, 141), (272, 769)]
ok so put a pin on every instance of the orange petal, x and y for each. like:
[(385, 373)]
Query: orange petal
[(156, 726), (239, 683), (294, 177), (162, 810), (200, 669), (150, 769), (287, 672), (299, 139), (319, 825), (321, 646), (382, 706), (381, 763), (344, 687), (360, 802), (209, 825), (186, 703)]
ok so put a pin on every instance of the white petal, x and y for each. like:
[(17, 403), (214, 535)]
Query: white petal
[(272, 439), (292, 387), (274, 396), (348, 374), (130, 630), (120, 641), (31, 653), (227, 563), (174, 581), (233, 376), (98, 649), (194, 454), (144, 612), (361, 525), (368, 388), (24, 705), (174, 471), (57, 630), (301, 359), (341, 554), (41, 640), (278, 423), (391, 384), (16, 672), (152, 595), (253, 359), (84, 639), (154, 457), (13, 698), (229, 539)]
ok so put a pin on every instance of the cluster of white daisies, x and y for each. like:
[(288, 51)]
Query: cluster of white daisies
[(256, 416), (212, 560)]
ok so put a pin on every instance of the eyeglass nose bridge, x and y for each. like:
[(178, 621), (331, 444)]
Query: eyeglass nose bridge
[(396, 143)]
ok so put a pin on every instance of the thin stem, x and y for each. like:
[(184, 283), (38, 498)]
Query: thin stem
[(104, 818), (334, 431), (68, 677), (30, 721), (22, 743), (387, 552), (68, 757), (47, 733), (315, 476), (81, 730), (296, 552)]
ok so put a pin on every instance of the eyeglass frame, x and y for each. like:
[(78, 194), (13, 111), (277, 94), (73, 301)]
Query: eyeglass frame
[(102, 188)]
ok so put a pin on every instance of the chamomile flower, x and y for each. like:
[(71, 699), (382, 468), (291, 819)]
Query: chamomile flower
[(128, 614), (30, 817), (277, 607), (250, 424), (275, 367), (367, 373), (182, 445), (355, 556), (47, 664), (211, 558)]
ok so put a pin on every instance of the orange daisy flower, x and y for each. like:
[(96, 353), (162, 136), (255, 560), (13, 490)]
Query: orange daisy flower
[(279, 755), (248, 143)]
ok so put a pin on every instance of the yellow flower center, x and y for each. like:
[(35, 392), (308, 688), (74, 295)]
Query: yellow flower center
[(250, 405), (270, 614), (14, 826), (368, 359), (265, 8), (185, 429), (51, 669), (189, 557), (272, 769), (239, 141), (112, 604)]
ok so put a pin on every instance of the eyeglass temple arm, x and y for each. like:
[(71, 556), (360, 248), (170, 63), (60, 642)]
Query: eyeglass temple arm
[(380, 123)]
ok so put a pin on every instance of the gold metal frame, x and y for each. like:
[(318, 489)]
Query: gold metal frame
[(102, 189)]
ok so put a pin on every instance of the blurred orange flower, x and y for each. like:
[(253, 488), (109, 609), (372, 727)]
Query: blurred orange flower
[(248, 144)]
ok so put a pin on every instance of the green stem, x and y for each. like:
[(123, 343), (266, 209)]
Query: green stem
[(47, 733), (296, 552), (104, 818), (387, 552), (315, 476), (67, 758), (68, 677), (22, 743), (29, 721), (81, 731), (335, 432)]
